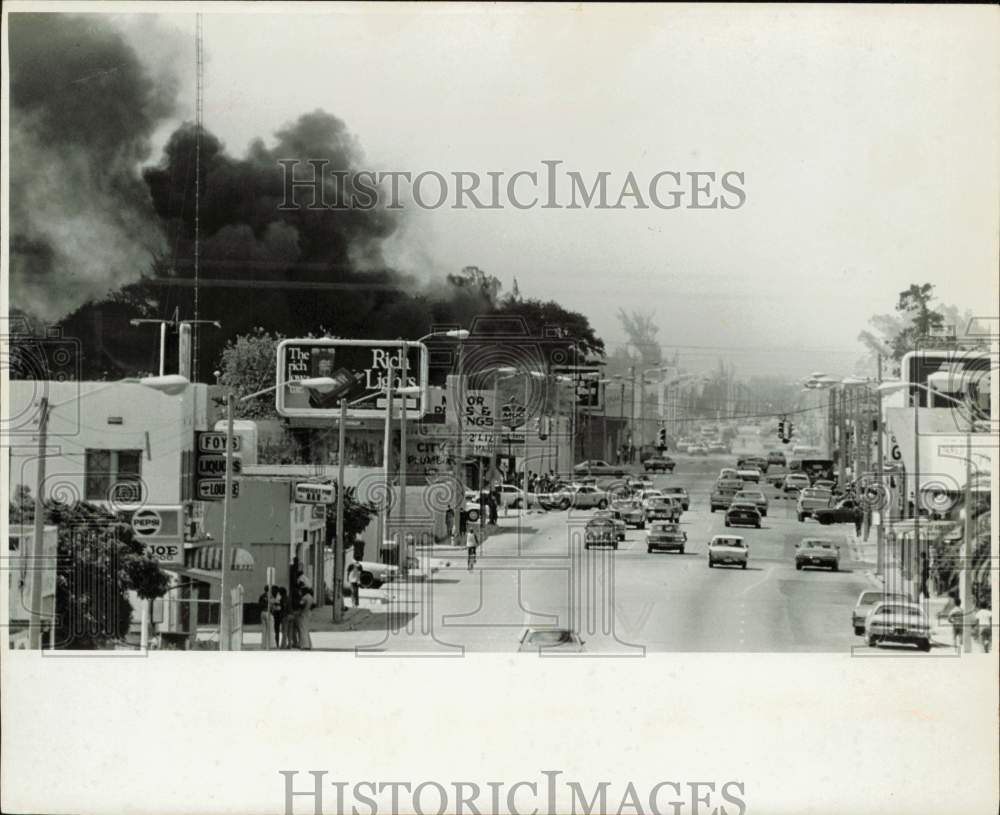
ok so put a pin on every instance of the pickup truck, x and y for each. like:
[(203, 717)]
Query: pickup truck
[(842, 513), (811, 500), (817, 552)]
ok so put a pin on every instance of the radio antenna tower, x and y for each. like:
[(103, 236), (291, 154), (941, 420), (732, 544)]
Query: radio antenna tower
[(198, 102)]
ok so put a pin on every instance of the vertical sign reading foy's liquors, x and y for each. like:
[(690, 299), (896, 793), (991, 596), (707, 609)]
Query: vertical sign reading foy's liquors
[(358, 368)]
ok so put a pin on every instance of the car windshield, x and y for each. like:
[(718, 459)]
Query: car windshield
[(737, 542), (543, 638), (818, 544), (896, 610), (673, 490)]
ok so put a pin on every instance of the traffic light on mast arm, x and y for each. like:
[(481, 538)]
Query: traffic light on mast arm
[(661, 438), (781, 430)]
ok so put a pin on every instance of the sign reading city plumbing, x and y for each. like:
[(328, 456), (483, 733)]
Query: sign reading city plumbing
[(358, 368)]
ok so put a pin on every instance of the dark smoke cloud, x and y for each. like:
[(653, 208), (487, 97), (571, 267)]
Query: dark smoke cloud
[(82, 111)]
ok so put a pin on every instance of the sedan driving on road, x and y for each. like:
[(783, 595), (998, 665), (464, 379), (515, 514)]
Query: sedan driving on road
[(663, 508), (631, 512), (867, 600), (749, 473), (721, 497), (755, 497), (794, 482), (578, 496), (598, 468), (898, 622), (810, 500), (550, 639), (742, 514), (600, 532), (616, 519), (678, 492), (820, 552), (729, 550), (666, 537), (844, 512), (660, 464)]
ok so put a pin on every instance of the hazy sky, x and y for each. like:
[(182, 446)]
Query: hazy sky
[(867, 137)]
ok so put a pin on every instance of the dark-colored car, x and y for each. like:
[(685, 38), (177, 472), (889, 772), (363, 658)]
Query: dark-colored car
[(742, 515), (721, 497), (759, 462), (600, 532), (843, 513), (678, 492), (665, 536), (777, 457), (661, 464), (817, 552)]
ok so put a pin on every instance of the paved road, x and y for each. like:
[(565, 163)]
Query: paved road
[(534, 570)]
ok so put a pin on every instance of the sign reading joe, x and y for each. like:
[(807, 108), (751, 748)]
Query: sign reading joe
[(360, 370)]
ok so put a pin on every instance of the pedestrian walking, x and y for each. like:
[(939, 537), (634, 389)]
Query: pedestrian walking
[(306, 603), (491, 502), (859, 518), (286, 617), (471, 545), (925, 575), (957, 617), (266, 620), (277, 608), (984, 627), (354, 580)]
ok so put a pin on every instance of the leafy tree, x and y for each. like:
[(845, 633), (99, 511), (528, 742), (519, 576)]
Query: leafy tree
[(642, 331), (247, 366), (99, 562), (357, 516), (547, 318)]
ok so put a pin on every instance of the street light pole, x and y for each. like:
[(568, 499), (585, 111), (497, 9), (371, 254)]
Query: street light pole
[(883, 509), (338, 544), (37, 543), (386, 460), (225, 629)]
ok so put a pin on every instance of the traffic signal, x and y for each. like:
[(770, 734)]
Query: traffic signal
[(781, 430), (661, 438), (791, 431)]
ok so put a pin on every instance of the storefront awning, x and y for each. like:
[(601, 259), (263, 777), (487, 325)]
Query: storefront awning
[(209, 559)]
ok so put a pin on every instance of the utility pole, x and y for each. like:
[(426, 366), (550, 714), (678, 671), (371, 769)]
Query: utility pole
[(38, 536), (338, 544), (842, 438), (386, 461), (884, 509), (631, 412), (225, 629)]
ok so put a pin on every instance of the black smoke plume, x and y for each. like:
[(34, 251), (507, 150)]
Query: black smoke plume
[(82, 111)]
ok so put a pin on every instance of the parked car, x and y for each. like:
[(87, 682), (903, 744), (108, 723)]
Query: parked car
[(665, 537), (810, 500), (615, 518), (755, 497), (817, 552), (600, 532), (661, 464), (776, 457), (742, 514), (678, 492), (898, 622), (511, 496), (560, 640), (867, 600), (748, 473), (597, 467), (843, 512), (721, 497), (631, 512), (662, 508), (793, 482), (730, 550)]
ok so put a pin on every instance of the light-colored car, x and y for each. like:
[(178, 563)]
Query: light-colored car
[(511, 496), (755, 497), (663, 508), (631, 512), (750, 474), (697, 450), (600, 532), (794, 482), (665, 536), (615, 518), (824, 484), (817, 552), (810, 500), (639, 482), (578, 496), (678, 492), (541, 640), (867, 600), (642, 495), (898, 622), (730, 550), (597, 467), (729, 473)]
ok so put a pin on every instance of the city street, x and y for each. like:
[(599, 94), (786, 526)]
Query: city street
[(534, 571)]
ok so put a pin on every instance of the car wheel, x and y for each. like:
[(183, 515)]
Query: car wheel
[(757, 524), (743, 565), (924, 645), (473, 515), (640, 525), (602, 504), (682, 550), (872, 642), (649, 550), (798, 567), (727, 522), (586, 546), (710, 564), (615, 546), (367, 580), (859, 630), (801, 518), (619, 473), (564, 505), (835, 567)]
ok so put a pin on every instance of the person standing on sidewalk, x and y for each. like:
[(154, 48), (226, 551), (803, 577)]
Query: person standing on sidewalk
[(471, 544), (277, 610), (984, 627), (957, 617), (354, 580), (306, 604)]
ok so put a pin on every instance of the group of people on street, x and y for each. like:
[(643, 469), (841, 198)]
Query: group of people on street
[(543, 482), (284, 614), (979, 625)]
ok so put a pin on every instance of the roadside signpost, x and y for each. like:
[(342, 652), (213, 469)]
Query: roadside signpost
[(210, 465)]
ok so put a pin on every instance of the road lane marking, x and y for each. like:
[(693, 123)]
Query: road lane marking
[(752, 586)]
